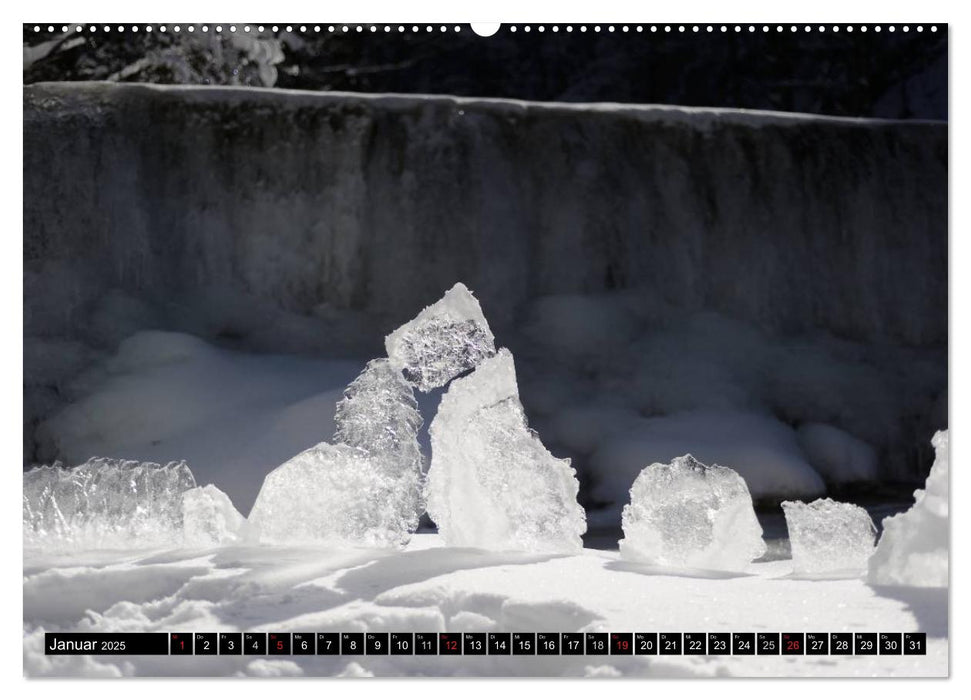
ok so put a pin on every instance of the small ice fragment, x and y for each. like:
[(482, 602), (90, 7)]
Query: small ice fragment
[(687, 514), (492, 484), (913, 550), (105, 504), (446, 339), (209, 518), (828, 536)]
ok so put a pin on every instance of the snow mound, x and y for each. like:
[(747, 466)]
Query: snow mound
[(105, 504), (576, 325), (210, 519), (829, 536), (762, 449), (364, 490), (446, 339), (687, 514), (913, 550), (492, 484), (232, 415), (836, 455)]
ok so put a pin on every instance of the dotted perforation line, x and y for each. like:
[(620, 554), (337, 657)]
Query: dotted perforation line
[(527, 28), (727, 28)]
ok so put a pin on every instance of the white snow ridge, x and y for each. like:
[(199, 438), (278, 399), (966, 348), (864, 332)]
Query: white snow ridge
[(687, 514), (913, 550), (492, 484)]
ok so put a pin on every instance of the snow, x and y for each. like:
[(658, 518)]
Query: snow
[(233, 416), (429, 587), (913, 549), (104, 503), (703, 384), (447, 338), (829, 537), (690, 515), (577, 325), (661, 363), (836, 455), (760, 448), (492, 484), (209, 518)]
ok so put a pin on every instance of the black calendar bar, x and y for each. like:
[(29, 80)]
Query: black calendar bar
[(488, 644), (73, 643)]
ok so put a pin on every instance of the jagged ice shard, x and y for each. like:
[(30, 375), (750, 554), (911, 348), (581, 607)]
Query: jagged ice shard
[(446, 339), (492, 484), (687, 514), (913, 550), (105, 504), (829, 536), (364, 490)]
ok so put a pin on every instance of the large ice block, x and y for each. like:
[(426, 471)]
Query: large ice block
[(105, 503), (335, 495), (446, 339), (913, 550), (688, 514), (829, 536), (492, 484), (364, 490)]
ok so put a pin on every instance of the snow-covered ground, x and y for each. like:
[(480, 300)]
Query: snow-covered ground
[(234, 416), (428, 587)]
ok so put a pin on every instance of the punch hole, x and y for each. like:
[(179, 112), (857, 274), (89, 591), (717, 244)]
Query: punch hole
[(485, 29)]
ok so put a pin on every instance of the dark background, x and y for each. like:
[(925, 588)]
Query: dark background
[(897, 75)]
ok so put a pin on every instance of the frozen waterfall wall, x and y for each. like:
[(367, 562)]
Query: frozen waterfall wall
[(378, 203)]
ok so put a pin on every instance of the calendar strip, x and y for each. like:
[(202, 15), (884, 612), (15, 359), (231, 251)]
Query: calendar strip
[(488, 643)]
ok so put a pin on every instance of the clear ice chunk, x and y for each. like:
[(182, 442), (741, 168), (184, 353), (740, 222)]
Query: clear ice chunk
[(492, 484), (210, 519), (829, 536), (379, 414), (689, 515), (366, 490), (913, 549), (105, 504), (446, 339), (333, 495)]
